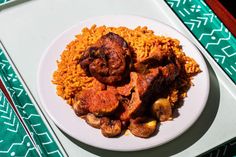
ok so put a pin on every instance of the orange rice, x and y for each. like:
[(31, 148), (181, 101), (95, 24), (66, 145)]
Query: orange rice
[(70, 79)]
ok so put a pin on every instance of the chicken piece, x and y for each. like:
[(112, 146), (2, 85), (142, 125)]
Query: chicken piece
[(144, 87), (149, 82), (138, 88), (165, 61), (98, 85), (170, 71), (132, 89), (156, 58), (153, 80), (137, 82), (97, 102), (103, 102), (126, 89), (143, 127), (108, 60), (110, 128), (82, 100), (131, 107)]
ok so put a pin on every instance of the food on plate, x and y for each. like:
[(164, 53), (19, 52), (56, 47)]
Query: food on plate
[(92, 120), (120, 79), (142, 126), (108, 60), (162, 109), (110, 127)]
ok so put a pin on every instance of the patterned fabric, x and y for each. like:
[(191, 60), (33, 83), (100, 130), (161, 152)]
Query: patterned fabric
[(218, 41), (3, 1), (12, 130), (26, 109), (209, 31)]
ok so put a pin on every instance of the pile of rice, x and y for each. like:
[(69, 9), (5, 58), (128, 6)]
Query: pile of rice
[(70, 79)]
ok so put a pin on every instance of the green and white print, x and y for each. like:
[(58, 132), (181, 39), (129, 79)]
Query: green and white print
[(209, 31), (27, 110), (4, 1), (14, 140)]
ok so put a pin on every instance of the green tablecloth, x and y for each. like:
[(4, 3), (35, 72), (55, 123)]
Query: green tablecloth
[(209, 31), (219, 43), (14, 141), (4, 1)]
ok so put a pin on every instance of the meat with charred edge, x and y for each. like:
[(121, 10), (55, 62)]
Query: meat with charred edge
[(108, 60), (145, 85), (111, 62)]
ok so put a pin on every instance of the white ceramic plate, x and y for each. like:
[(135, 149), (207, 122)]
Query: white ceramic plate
[(64, 117)]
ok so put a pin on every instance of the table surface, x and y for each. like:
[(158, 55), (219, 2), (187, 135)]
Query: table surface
[(28, 26)]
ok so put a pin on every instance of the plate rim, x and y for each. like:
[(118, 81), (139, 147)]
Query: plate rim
[(42, 103)]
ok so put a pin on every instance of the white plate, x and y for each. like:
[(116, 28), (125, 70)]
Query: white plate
[(64, 117)]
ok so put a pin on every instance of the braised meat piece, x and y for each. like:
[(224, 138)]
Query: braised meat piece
[(126, 87), (138, 82), (108, 60), (98, 85), (156, 58), (131, 106), (99, 103), (145, 86), (170, 71), (81, 104), (141, 89), (103, 102)]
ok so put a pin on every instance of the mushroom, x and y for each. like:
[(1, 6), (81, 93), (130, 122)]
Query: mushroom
[(142, 126), (162, 110), (110, 128), (92, 120)]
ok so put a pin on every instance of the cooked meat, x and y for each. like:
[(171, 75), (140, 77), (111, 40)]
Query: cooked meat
[(144, 87), (138, 82), (108, 60), (98, 85), (156, 58), (165, 61), (82, 100), (170, 71), (136, 88), (129, 80), (140, 90), (146, 82), (103, 102), (125, 90), (142, 127), (98, 102), (131, 107), (110, 128)]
